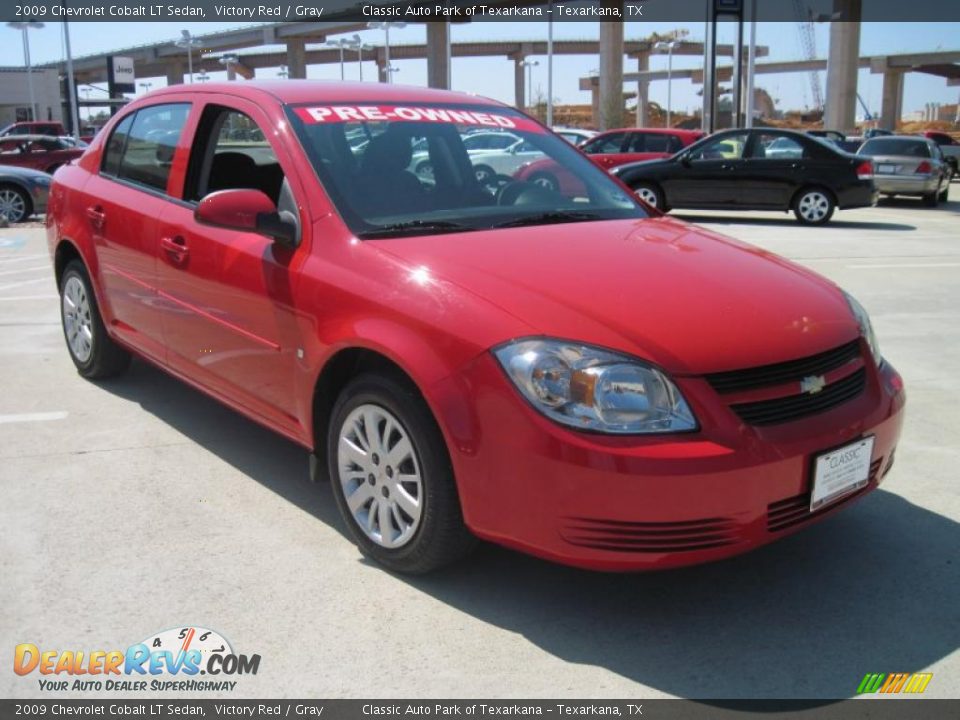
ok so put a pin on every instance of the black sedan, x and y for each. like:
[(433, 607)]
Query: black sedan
[(759, 169)]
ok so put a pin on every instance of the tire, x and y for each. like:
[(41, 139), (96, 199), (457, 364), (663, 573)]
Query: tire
[(650, 194), (545, 180), (484, 174), (424, 169), (93, 352), (931, 200), (15, 204), (945, 193), (422, 515), (813, 206)]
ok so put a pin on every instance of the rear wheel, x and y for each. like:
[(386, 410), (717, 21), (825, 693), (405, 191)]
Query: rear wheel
[(931, 199), (650, 194), (93, 352), (813, 206), (392, 478), (15, 204), (945, 193)]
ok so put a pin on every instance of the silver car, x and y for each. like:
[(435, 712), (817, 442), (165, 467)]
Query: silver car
[(908, 165)]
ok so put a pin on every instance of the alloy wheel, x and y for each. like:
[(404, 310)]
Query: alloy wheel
[(380, 476), (77, 322), (12, 205), (814, 206), (648, 195)]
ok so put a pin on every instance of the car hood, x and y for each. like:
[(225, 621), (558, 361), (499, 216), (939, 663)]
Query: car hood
[(688, 299)]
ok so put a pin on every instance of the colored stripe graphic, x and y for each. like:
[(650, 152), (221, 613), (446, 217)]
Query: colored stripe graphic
[(894, 683)]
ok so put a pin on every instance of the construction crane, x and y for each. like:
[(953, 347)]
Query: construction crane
[(808, 43)]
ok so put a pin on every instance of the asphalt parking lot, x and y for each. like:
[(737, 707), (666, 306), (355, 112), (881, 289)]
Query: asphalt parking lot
[(137, 505)]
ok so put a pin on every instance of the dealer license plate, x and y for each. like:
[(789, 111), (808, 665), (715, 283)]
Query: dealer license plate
[(883, 169), (841, 472)]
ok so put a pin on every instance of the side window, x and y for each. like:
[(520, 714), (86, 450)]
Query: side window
[(502, 141), (232, 152), (150, 145), (728, 147), (115, 146), (676, 144), (607, 144), (777, 147), (658, 143)]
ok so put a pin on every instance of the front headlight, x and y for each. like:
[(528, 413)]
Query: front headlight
[(866, 327), (592, 389)]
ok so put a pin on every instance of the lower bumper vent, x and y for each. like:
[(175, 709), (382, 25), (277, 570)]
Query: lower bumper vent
[(650, 537)]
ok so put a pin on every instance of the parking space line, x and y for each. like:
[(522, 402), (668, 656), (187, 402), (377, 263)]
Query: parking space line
[(24, 282), (10, 260), (33, 417), (24, 269), (888, 266), (28, 297)]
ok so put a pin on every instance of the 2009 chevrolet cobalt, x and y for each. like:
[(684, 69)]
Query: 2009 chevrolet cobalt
[(568, 373)]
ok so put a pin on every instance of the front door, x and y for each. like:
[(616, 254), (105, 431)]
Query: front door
[(229, 320), (709, 174)]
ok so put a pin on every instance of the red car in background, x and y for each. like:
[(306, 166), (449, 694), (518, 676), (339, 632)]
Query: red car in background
[(564, 374), (39, 152), (626, 145)]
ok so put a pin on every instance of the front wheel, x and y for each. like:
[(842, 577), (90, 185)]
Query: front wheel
[(15, 204), (813, 206), (392, 477), (93, 352), (650, 194)]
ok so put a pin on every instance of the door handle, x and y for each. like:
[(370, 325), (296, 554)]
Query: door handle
[(97, 216), (176, 247)]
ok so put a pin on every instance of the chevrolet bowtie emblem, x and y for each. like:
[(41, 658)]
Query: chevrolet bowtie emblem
[(812, 384)]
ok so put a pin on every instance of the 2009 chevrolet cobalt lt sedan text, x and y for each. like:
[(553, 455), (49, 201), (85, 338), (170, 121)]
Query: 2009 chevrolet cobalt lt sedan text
[(567, 373)]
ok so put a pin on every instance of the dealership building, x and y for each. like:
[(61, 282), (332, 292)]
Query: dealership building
[(15, 94)]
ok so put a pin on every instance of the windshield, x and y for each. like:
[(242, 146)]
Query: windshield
[(896, 146), (415, 169)]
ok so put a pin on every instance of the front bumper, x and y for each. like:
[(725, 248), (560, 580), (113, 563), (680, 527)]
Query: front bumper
[(906, 184), (630, 503)]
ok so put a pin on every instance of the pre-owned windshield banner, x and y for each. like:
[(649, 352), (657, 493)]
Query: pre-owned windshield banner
[(479, 117)]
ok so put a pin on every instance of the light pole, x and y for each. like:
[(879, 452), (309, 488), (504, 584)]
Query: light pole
[(359, 45), (529, 65), (24, 27), (385, 26), (550, 69), (71, 83), (188, 41), (86, 96), (668, 46), (340, 43), (146, 86)]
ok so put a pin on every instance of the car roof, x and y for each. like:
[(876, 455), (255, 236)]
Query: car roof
[(295, 92), (657, 131)]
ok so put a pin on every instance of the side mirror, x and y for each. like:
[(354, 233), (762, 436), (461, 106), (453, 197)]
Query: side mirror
[(247, 210), (685, 159)]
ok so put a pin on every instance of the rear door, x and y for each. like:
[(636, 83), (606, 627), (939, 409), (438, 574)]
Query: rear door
[(228, 315), (604, 149), (122, 204)]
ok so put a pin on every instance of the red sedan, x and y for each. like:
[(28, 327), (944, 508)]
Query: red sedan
[(627, 145), (39, 152), (571, 375)]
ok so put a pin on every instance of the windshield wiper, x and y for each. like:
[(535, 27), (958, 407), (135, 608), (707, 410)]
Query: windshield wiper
[(415, 227), (548, 218)]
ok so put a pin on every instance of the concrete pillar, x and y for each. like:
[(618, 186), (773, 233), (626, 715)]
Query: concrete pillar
[(595, 102), (438, 70), (611, 74), (842, 67), (296, 59), (519, 82), (643, 91), (891, 105), (174, 72)]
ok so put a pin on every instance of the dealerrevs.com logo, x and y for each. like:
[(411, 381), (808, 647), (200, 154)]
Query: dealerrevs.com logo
[(179, 659)]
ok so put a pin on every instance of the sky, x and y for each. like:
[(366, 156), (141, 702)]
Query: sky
[(493, 77)]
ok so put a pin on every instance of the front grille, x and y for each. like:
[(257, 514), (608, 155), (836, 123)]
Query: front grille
[(785, 514), (781, 373), (657, 537), (794, 407)]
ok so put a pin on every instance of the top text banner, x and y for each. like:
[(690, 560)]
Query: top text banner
[(346, 11)]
